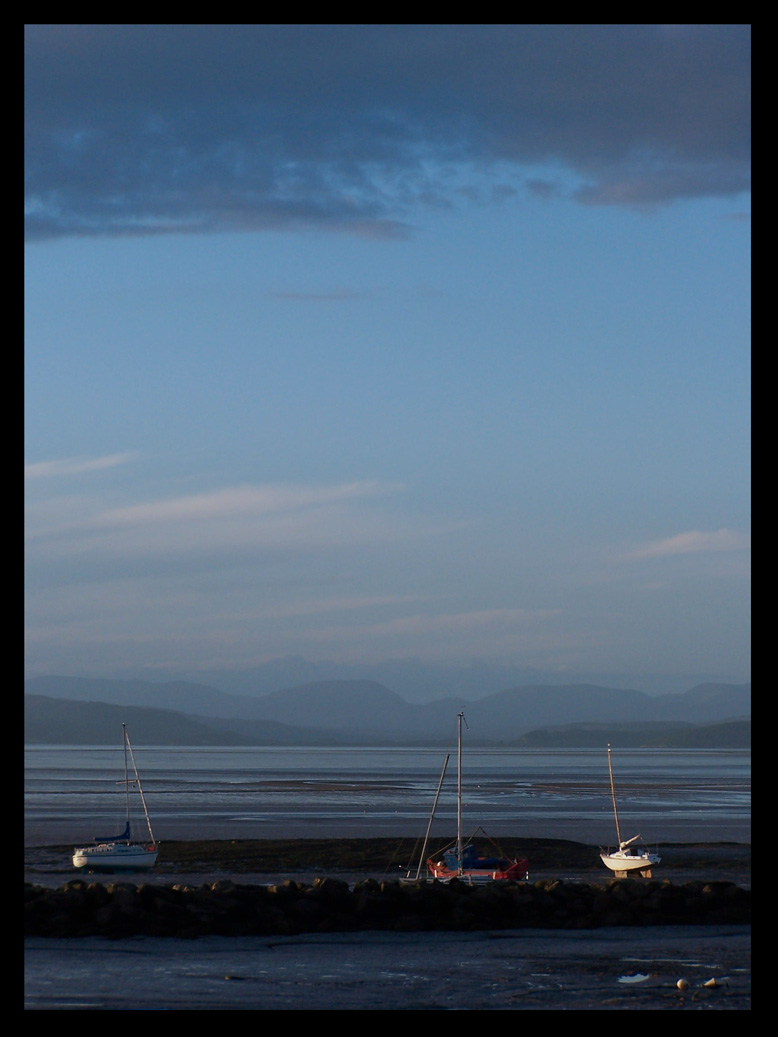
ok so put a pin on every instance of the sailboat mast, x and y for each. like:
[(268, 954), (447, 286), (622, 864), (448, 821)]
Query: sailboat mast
[(432, 816), (140, 789), (613, 796), (126, 776), (459, 794)]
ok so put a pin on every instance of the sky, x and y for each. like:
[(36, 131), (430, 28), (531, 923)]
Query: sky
[(384, 342)]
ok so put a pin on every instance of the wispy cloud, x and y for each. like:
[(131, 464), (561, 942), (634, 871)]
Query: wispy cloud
[(142, 129), (688, 543), (328, 606), (448, 635), (464, 622), (238, 502), (228, 526), (75, 466), (337, 295)]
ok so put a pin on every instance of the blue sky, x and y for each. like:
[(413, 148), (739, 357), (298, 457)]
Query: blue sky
[(386, 342)]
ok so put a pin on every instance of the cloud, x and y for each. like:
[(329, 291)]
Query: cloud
[(238, 501), (142, 129), (687, 543), (201, 531), (339, 295), (327, 606), (464, 622), (491, 624), (449, 636), (75, 466)]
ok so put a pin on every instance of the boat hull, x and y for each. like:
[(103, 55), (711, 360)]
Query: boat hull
[(115, 857), (512, 871), (629, 863)]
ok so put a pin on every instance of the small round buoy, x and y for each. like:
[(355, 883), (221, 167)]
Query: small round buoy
[(683, 984)]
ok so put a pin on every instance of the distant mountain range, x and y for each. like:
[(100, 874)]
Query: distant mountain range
[(417, 680), (70, 710)]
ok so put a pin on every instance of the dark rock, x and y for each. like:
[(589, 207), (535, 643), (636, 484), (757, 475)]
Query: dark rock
[(329, 905)]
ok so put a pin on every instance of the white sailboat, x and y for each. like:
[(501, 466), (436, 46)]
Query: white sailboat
[(462, 860), (121, 852), (628, 859)]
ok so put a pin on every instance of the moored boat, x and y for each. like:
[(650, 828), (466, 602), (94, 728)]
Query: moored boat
[(628, 859), (121, 852), (467, 865), (462, 861)]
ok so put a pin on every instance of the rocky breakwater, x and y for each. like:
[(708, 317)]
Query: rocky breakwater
[(123, 909)]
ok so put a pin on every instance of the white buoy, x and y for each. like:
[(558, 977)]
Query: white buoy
[(683, 984)]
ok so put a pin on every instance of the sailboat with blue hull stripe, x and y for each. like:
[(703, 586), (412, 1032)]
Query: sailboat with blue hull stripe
[(121, 852)]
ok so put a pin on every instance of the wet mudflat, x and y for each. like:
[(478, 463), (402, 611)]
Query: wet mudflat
[(541, 970)]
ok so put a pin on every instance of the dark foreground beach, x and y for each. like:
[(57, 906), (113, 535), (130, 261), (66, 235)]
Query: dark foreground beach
[(223, 891), (675, 968), (485, 967)]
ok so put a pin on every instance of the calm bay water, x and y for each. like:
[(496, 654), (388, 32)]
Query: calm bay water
[(75, 792)]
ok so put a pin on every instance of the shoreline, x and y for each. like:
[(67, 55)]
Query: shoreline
[(274, 860), (234, 888)]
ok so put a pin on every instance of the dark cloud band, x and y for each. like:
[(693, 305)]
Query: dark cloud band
[(185, 128)]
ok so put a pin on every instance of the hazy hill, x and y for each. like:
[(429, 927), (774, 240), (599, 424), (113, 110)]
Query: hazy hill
[(348, 706), (178, 695), (49, 721), (518, 710), (711, 701), (368, 711), (419, 681)]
